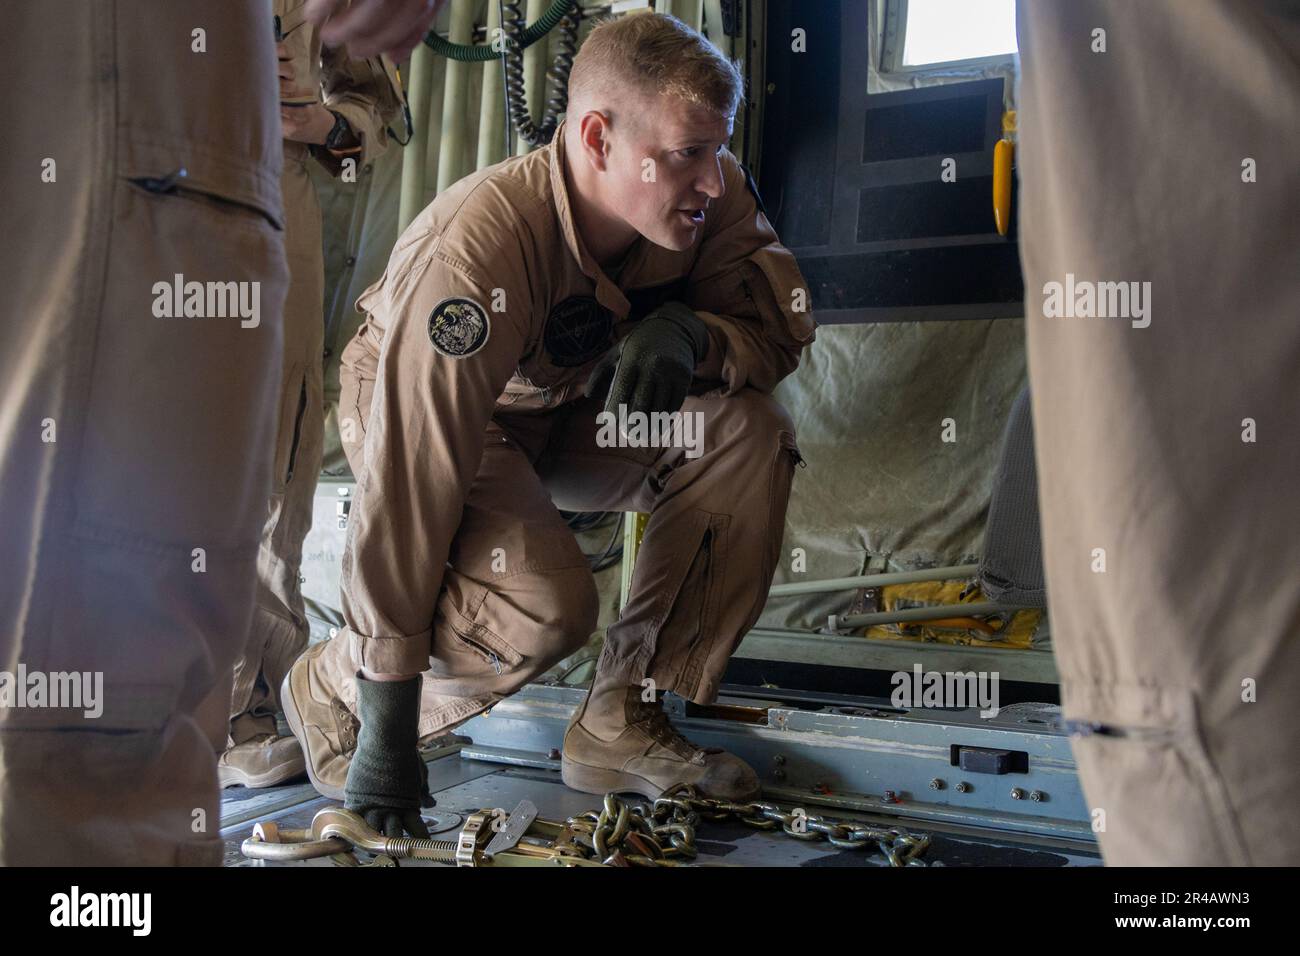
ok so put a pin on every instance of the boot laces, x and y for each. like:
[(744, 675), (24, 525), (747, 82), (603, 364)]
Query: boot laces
[(348, 725), (655, 722)]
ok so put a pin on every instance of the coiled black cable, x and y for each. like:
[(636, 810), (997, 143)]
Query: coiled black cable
[(535, 134), (469, 53)]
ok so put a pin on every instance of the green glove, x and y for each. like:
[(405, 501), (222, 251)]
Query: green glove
[(651, 369), (387, 781)]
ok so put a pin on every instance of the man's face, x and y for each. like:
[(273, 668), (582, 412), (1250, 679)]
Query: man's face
[(665, 170)]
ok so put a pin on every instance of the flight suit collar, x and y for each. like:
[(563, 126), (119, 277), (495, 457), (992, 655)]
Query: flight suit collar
[(608, 293)]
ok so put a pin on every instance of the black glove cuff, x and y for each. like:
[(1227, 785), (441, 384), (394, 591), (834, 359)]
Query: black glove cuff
[(360, 800), (389, 711), (385, 766)]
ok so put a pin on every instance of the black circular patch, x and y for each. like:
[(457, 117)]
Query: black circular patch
[(458, 327), (577, 330)]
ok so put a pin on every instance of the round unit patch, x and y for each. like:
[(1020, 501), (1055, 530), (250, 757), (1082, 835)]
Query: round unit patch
[(577, 330), (458, 327)]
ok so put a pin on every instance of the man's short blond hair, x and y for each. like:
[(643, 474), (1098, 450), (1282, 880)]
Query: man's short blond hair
[(653, 53)]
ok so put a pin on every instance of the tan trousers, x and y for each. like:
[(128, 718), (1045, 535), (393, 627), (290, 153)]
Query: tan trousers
[(518, 595), (134, 445), (280, 630), (1170, 451)]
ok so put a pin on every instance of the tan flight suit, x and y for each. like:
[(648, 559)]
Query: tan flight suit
[(359, 91), (472, 430), (135, 448), (1131, 166)]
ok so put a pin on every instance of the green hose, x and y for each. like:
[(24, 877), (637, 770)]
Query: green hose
[(468, 53)]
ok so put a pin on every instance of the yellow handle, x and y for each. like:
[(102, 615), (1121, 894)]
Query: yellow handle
[(1003, 150)]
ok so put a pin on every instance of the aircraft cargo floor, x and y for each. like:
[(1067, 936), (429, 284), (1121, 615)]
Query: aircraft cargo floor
[(462, 786)]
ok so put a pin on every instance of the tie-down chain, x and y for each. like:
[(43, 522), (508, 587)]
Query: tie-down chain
[(621, 833)]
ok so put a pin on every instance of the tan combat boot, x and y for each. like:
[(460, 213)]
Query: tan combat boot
[(311, 696), (638, 750), (264, 761)]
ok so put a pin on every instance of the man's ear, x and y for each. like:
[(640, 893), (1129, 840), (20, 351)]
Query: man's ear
[(593, 137)]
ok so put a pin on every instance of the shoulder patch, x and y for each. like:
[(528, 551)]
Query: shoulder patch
[(458, 327)]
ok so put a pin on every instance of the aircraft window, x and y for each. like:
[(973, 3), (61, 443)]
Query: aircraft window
[(944, 31)]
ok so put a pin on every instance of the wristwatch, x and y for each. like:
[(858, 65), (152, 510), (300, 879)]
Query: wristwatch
[(341, 137)]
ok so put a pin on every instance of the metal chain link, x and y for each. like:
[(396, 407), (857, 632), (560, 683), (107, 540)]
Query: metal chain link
[(663, 834), (622, 833)]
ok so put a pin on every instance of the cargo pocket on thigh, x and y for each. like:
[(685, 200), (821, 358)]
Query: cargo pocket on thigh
[(217, 197), (1146, 750), (187, 365), (472, 639)]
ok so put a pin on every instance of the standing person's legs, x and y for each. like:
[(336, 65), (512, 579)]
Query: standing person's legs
[(1154, 153), (256, 756), (134, 441)]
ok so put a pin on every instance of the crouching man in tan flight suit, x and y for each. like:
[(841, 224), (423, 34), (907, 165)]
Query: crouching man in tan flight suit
[(333, 109), (466, 386)]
